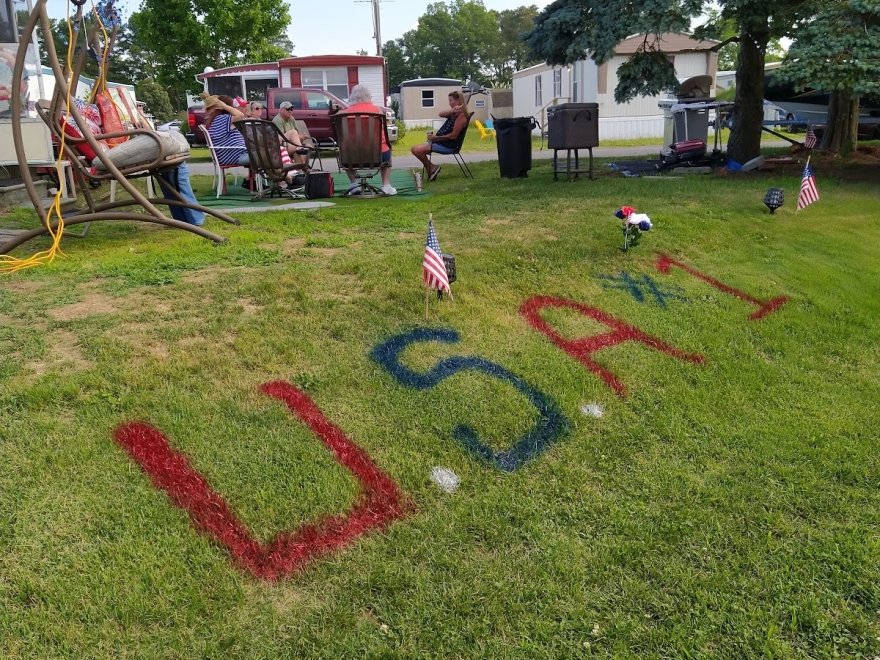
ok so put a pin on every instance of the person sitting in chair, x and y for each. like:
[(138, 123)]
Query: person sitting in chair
[(287, 125), (219, 115), (439, 143), (362, 101)]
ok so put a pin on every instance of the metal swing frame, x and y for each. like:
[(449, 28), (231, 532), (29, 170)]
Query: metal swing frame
[(95, 211)]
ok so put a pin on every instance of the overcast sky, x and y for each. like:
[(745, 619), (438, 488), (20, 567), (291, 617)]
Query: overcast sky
[(329, 27)]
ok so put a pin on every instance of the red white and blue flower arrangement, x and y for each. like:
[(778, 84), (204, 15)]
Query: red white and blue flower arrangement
[(633, 225)]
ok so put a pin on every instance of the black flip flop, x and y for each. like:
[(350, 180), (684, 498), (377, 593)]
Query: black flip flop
[(433, 175)]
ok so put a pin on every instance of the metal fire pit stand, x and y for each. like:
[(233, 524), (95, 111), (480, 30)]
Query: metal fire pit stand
[(572, 127), (570, 173)]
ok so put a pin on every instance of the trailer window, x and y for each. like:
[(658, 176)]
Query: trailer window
[(256, 88), (227, 85)]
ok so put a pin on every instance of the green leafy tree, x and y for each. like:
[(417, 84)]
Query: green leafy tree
[(133, 60), (570, 30), (464, 40), (838, 51), (187, 35), (510, 53), (156, 99), (276, 49), (397, 61), (432, 45), (725, 30)]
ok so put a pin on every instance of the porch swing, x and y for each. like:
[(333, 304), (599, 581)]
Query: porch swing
[(149, 154)]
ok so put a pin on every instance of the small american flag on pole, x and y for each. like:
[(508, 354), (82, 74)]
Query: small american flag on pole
[(434, 274), (810, 141), (809, 193)]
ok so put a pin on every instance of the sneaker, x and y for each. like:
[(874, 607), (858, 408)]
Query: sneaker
[(388, 190), (353, 189)]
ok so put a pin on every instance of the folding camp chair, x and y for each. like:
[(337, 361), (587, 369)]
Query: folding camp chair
[(456, 150), (360, 147), (264, 143)]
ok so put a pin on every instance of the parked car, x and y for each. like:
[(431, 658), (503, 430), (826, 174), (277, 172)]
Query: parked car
[(309, 105), (169, 126)]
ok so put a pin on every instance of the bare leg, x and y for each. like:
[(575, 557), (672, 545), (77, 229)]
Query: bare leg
[(421, 152), (296, 143)]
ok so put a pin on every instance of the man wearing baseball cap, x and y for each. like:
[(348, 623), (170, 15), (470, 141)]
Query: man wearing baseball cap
[(287, 125)]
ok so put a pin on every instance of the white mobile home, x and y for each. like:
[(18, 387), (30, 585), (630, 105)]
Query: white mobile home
[(541, 86)]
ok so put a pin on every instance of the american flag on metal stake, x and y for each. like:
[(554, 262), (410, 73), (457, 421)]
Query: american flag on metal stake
[(809, 193), (810, 141), (434, 274)]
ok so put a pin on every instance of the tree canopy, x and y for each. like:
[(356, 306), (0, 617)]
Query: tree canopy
[(725, 30), (156, 99), (838, 51), (185, 36), (570, 30), (463, 40)]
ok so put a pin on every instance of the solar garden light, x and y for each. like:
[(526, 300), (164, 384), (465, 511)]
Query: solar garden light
[(449, 262), (774, 198)]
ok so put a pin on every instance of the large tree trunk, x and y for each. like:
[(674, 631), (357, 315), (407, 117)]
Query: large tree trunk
[(745, 135), (842, 125)]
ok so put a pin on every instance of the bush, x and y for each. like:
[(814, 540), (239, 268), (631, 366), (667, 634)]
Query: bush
[(401, 128), (156, 98)]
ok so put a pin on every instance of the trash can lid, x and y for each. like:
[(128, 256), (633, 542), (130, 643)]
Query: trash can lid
[(573, 106), (507, 122)]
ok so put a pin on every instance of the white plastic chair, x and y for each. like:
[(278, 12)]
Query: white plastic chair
[(220, 170)]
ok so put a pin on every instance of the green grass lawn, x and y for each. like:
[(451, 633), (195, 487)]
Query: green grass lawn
[(473, 143), (728, 509)]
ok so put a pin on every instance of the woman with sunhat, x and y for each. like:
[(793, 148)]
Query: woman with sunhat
[(229, 142)]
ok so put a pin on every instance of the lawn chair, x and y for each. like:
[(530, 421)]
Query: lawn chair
[(485, 132), (219, 170), (456, 151), (146, 154), (264, 143), (360, 147)]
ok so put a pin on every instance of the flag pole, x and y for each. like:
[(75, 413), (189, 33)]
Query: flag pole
[(427, 291)]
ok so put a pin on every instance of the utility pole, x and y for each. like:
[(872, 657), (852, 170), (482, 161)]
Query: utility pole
[(377, 24), (377, 28)]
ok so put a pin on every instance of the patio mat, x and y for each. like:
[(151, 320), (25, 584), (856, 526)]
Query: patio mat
[(240, 199), (402, 180)]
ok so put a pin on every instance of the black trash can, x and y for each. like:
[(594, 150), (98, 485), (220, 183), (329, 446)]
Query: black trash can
[(514, 139)]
